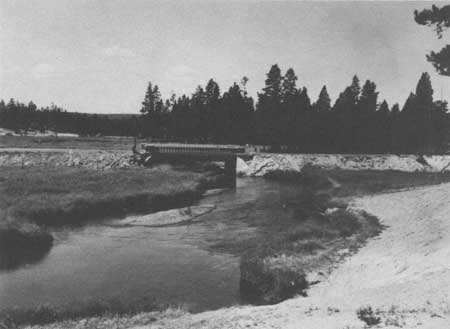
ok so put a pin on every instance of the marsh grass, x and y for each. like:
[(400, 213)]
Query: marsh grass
[(47, 313), (34, 198), (59, 196), (363, 182)]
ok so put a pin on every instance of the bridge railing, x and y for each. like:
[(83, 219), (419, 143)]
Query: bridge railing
[(193, 149)]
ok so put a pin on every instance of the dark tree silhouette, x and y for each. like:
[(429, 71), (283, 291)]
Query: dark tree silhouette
[(321, 109), (269, 104), (284, 118), (365, 130), (440, 19), (344, 112)]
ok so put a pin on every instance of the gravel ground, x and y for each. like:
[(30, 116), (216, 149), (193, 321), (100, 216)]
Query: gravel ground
[(91, 159)]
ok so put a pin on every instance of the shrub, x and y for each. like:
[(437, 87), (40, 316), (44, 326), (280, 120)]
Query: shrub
[(367, 315), (262, 285), (345, 222)]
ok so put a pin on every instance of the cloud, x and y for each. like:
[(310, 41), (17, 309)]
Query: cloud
[(43, 71), (117, 51)]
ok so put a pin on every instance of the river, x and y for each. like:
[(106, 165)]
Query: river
[(138, 265)]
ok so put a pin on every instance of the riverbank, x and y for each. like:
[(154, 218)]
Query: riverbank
[(288, 261), (293, 312), (399, 279), (34, 198)]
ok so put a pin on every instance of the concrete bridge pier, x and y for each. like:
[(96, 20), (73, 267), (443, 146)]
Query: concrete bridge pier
[(230, 171)]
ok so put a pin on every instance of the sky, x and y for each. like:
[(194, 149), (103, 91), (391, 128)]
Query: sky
[(98, 56)]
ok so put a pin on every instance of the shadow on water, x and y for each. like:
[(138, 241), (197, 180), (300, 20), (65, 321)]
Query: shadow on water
[(19, 248)]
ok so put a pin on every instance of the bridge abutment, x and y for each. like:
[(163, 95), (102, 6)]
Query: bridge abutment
[(225, 153), (230, 171)]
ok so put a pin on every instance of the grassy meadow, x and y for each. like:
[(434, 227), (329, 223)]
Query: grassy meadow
[(56, 196)]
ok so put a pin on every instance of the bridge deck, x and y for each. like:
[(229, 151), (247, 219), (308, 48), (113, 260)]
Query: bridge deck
[(193, 149)]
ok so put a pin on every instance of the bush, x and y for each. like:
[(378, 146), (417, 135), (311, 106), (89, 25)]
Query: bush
[(345, 222), (262, 285), (310, 176), (367, 315)]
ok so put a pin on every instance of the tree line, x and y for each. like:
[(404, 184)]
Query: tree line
[(23, 118), (284, 116)]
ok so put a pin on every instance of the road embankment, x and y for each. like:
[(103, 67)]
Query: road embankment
[(77, 158), (262, 163)]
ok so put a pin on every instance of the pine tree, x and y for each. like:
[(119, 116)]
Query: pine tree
[(367, 103), (344, 110), (355, 89), (212, 91), (244, 82), (323, 104), (382, 129), (236, 115), (269, 104), (288, 85), (272, 90), (148, 105), (395, 127), (424, 106), (441, 127), (365, 131), (440, 18)]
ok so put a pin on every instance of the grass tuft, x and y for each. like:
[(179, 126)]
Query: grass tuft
[(367, 315)]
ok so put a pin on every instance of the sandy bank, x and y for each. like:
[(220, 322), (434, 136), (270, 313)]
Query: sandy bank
[(165, 218)]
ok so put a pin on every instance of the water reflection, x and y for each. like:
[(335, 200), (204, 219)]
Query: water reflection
[(18, 249)]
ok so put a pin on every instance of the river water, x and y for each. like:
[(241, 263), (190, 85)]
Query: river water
[(135, 265)]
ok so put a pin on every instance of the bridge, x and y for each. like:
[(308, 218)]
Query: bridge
[(208, 152)]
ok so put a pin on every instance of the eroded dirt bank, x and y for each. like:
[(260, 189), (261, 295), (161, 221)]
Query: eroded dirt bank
[(263, 163), (90, 159), (257, 164)]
